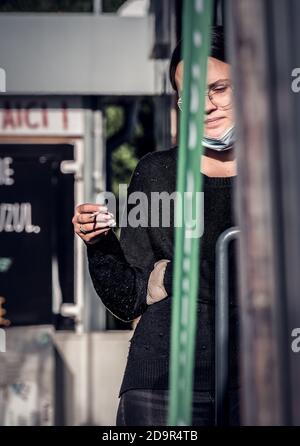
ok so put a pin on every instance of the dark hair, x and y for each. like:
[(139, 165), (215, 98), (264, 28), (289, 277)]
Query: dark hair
[(217, 51)]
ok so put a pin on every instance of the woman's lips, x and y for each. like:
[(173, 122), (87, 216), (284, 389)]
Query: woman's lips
[(212, 123)]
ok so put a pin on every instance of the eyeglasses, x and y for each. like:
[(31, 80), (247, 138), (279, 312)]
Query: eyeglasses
[(220, 95)]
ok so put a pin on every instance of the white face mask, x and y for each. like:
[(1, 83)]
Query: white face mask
[(224, 142)]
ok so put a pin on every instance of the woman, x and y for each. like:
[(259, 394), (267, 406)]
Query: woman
[(133, 277)]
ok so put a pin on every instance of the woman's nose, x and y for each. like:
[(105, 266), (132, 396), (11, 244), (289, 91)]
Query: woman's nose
[(209, 106)]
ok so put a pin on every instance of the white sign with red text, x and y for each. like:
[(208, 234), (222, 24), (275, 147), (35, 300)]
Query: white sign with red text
[(41, 116)]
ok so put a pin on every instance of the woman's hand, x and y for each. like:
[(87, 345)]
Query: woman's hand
[(156, 290), (92, 221)]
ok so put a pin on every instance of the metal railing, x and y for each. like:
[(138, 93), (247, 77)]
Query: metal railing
[(222, 323)]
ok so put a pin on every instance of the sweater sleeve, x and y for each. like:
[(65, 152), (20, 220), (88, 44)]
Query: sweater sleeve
[(120, 269)]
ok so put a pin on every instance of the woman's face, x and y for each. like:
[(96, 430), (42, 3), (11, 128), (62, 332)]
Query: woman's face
[(217, 118)]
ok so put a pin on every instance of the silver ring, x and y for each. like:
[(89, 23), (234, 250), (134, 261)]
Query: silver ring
[(82, 230)]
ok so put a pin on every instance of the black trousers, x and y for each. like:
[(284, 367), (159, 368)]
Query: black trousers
[(143, 407)]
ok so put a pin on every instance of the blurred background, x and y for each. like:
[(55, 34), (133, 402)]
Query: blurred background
[(86, 95)]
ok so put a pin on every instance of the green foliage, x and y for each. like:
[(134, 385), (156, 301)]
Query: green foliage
[(124, 159), (114, 120), (123, 164)]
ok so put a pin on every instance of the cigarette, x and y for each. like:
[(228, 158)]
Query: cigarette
[(103, 211)]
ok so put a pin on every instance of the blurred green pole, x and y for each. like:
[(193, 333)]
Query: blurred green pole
[(197, 16)]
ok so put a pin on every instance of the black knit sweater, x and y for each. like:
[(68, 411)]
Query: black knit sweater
[(120, 272)]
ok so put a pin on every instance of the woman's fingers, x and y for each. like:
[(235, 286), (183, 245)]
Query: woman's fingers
[(88, 208), (90, 218), (93, 237), (91, 221), (89, 227)]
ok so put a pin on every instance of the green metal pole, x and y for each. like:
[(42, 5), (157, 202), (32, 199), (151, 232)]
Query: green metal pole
[(196, 46)]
